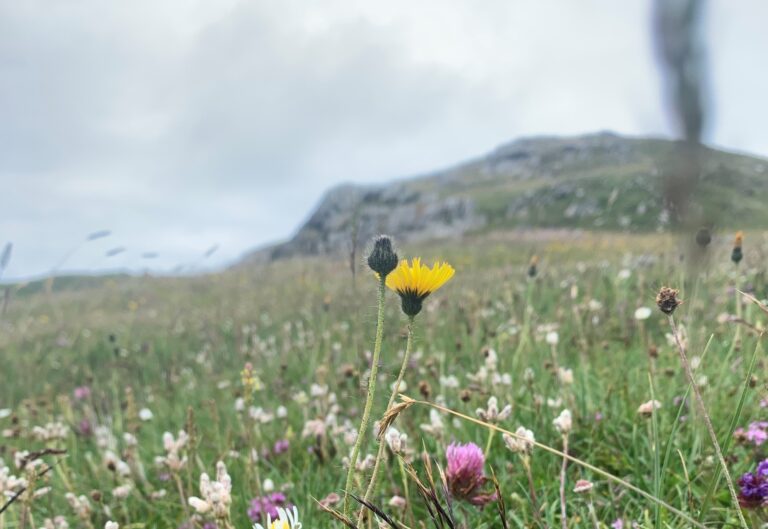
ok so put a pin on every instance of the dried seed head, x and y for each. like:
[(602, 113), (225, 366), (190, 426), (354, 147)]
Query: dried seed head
[(382, 259), (533, 266), (703, 237), (667, 300)]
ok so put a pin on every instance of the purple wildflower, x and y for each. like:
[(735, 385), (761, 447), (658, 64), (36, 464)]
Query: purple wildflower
[(753, 487), (281, 446), (82, 392), (261, 506), (618, 524), (84, 428), (464, 473), (756, 433)]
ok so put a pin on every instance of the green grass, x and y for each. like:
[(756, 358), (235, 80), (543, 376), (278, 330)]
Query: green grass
[(178, 346)]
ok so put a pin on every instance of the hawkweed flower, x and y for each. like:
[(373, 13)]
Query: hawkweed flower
[(382, 260), (736, 254), (286, 519), (465, 475), (415, 282)]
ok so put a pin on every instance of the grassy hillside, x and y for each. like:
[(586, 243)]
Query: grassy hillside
[(600, 181), (178, 347)]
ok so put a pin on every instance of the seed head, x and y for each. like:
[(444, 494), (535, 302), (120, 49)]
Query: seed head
[(737, 254), (533, 266), (667, 300), (703, 237), (382, 259)]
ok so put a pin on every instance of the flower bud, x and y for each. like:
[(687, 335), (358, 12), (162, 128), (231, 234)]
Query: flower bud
[(382, 259)]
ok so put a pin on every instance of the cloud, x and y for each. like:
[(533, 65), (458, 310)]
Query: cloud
[(180, 124)]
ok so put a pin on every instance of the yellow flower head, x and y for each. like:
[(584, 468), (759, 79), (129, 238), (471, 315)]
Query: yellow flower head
[(416, 281), (738, 239)]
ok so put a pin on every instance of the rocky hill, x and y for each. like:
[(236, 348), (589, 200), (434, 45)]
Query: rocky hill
[(599, 181)]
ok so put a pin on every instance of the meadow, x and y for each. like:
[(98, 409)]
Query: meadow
[(118, 394)]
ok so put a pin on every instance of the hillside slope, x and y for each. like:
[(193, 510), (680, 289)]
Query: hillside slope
[(601, 181)]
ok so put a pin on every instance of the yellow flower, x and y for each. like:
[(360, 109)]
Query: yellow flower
[(416, 281)]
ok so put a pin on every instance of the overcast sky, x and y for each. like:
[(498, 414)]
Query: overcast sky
[(183, 124)]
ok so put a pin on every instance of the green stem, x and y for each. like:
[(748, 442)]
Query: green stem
[(707, 422), (371, 391), (395, 391)]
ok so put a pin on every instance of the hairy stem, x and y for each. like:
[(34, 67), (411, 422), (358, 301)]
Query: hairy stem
[(395, 391), (371, 391)]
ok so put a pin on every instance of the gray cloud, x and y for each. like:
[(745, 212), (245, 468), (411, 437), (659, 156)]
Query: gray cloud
[(182, 124)]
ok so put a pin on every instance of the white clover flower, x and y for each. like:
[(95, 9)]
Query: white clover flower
[(563, 422), (80, 505), (565, 375), (552, 338), (122, 492), (435, 426), (646, 408), (313, 427), (528, 375), (492, 413), (111, 525), (522, 442), (449, 382), (173, 446), (145, 414), (395, 440), (594, 305), (643, 313), (216, 495)]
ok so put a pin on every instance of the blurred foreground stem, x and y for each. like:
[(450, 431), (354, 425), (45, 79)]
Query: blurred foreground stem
[(707, 421)]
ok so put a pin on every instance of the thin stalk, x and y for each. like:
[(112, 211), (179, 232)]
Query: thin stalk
[(532, 491), (371, 391), (563, 512), (707, 421), (526, 319), (395, 391), (575, 460)]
